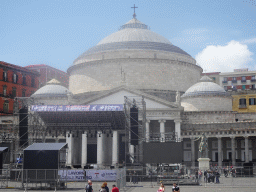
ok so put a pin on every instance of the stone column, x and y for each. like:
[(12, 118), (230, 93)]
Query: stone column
[(233, 150), (253, 147), (219, 152), (115, 148), (147, 130), (99, 149), (84, 150), (11, 151), (132, 152), (70, 142), (162, 130), (246, 148), (192, 152), (177, 129)]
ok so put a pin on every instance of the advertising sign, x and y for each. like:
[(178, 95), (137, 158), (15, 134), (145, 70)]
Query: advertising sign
[(114, 107), (94, 175)]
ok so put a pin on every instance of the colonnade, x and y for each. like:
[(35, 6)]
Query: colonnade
[(73, 147), (162, 129), (220, 149)]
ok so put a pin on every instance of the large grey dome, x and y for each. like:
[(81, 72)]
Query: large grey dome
[(133, 35), (205, 87), (52, 88)]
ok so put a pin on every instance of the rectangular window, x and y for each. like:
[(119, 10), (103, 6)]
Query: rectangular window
[(242, 103), (23, 93), (243, 78), (24, 80), (252, 101), (233, 78), (6, 106), (14, 92), (32, 82), (226, 88), (5, 76), (253, 77), (5, 90), (243, 87), (225, 79), (214, 144), (253, 86), (15, 78)]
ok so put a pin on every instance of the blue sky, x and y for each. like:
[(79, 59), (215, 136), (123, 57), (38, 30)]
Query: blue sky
[(221, 35)]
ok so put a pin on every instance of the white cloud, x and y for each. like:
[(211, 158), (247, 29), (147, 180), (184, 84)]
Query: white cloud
[(249, 41), (224, 58)]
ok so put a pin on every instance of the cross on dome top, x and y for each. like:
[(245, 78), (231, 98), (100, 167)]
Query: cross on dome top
[(134, 14)]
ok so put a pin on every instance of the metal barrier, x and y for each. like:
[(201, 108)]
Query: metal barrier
[(223, 176), (55, 179)]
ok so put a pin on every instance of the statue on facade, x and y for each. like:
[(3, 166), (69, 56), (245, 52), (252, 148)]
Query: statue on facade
[(178, 98), (203, 146)]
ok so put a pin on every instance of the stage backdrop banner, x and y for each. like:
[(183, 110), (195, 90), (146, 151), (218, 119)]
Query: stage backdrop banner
[(94, 175), (52, 108)]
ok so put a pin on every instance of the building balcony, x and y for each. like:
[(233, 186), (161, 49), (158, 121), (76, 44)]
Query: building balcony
[(242, 106), (234, 81), (224, 81), (253, 80), (166, 137), (243, 81)]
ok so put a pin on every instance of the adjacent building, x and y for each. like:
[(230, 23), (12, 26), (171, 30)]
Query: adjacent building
[(15, 81), (48, 73)]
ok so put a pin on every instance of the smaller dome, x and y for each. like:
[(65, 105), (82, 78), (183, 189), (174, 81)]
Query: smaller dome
[(52, 88), (205, 87)]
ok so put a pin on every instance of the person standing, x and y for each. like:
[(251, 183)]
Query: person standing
[(88, 187), (217, 175), (114, 188), (106, 186), (103, 188), (161, 188), (175, 187)]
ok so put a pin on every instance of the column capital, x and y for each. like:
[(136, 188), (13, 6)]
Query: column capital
[(218, 137), (177, 120), (147, 120), (161, 121), (232, 137), (246, 136)]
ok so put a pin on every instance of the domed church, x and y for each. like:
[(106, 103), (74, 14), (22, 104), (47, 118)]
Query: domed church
[(175, 106)]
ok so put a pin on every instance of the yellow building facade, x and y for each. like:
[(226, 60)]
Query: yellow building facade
[(244, 103)]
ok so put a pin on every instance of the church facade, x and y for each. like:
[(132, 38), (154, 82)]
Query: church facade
[(180, 105)]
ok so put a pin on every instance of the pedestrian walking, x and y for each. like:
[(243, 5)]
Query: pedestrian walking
[(175, 187), (103, 188), (114, 188), (106, 186), (217, 176), (161, 188), (88, 186)]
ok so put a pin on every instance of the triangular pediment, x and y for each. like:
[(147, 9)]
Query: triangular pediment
[(116, 96)]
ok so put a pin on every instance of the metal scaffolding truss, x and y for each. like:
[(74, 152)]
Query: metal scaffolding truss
[(135, 158)]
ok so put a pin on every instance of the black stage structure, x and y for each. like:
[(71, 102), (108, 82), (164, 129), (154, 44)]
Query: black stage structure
[(60, 120)]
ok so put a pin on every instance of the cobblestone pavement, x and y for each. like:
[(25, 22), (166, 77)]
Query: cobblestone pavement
[(226, 185)]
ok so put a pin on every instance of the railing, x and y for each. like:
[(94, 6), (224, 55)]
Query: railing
[(224, 81), (242, 106), (234, 81), (160, 137), (253, 80), (243, 80)]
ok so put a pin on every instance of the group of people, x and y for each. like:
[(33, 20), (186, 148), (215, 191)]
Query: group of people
[(174, 188), (104, 187), (210, 176)]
